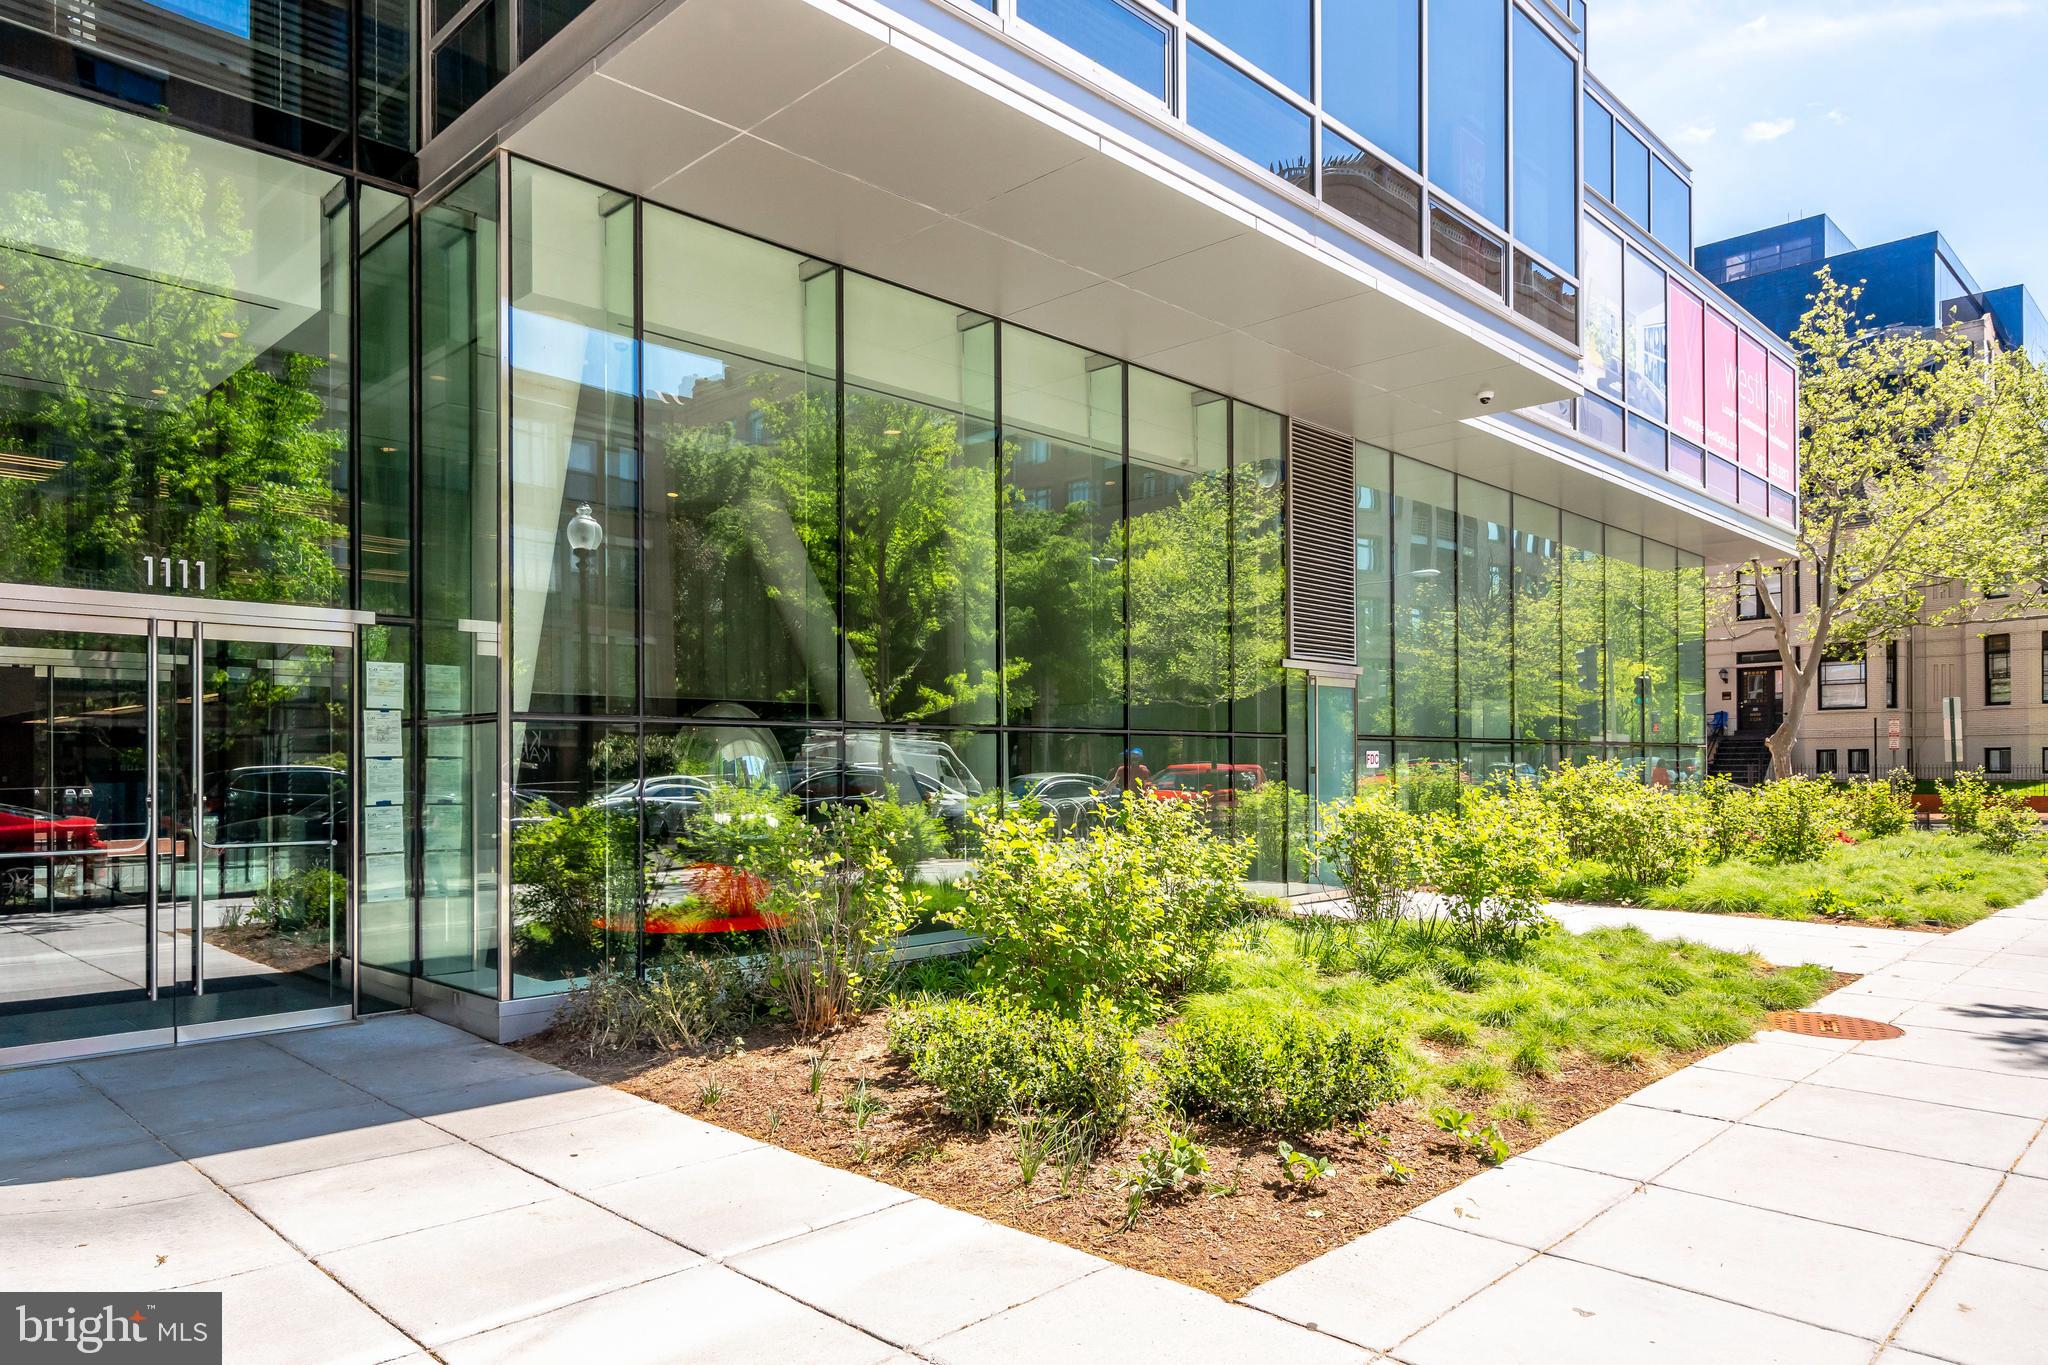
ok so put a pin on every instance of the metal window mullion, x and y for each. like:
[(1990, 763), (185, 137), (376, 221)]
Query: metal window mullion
[(502, 306), (641, 662)]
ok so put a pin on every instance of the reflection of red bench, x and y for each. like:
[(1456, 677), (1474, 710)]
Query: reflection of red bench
[(730, 898)]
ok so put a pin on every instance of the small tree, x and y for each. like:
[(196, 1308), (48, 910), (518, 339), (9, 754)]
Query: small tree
[(1922, 486)]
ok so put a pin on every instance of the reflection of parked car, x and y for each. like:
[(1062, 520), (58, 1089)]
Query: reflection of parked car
[(282, 803), (1219, 784), (933, 760), (36, 831), (668, 802), (531, 808), (1073, 799), (820, 790)]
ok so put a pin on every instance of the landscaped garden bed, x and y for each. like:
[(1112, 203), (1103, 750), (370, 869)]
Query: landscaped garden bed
[(1803, 849), (1141, 1063)]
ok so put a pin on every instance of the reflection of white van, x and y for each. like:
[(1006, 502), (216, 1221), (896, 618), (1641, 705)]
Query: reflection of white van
[(932, 758)]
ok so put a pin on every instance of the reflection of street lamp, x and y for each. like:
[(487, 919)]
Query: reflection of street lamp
[(586, 538)]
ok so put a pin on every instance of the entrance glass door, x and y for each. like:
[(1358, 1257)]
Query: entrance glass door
[(174, 830)]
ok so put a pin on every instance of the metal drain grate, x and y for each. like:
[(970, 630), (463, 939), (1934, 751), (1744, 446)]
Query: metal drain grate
[(1844, 1026)]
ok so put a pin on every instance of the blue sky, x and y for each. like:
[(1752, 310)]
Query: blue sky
[(1894, 116)]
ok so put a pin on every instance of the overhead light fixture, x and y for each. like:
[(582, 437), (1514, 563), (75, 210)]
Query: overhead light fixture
[(159, 392), (674, 494), (229, 336), (388, 450), (892, 431)]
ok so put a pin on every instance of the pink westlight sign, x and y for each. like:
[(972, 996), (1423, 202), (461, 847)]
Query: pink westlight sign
[(1751, 380), (1721, 415), (1687, 337), (1783, 423)]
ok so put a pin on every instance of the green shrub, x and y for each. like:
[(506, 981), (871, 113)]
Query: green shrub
[(839, 897), (2006, 822), (1427, 785), (1877, 810), (574, 871), (1375, 847), (1119, 919), (1725, 808), (1294, 1072), (1652, 836), (992, 1058), (1793, 819), (305, 900), (1963, 799), (1492, 861)]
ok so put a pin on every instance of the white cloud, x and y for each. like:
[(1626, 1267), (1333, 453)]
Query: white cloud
[(1768, 130), (1698, 133), (1838, 118)]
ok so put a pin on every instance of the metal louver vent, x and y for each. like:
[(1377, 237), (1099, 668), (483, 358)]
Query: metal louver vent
[(1322, 563)]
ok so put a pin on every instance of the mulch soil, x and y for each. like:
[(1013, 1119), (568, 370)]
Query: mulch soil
[(1242, 1226)]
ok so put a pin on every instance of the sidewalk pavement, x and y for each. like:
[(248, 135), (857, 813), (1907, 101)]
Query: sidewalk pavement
[(1788, 1199), (380, 1191)]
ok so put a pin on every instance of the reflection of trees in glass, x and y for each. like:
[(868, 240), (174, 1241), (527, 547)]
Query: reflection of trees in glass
[(172, 439), (1063, 614)]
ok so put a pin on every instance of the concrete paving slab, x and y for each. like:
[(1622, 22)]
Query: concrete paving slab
[(1892, 1193), (403, 1077), (1630, 1141), (138, 1247), (1696, 1090), (264, 1091), (2019, 1049), (1529, 1203), (1899, 1124), (341, 1206), (1773, 1057), (295, 1303), (44, 1136), (963, 1268), (1552, 1311), (509, 1104), (586, 1153), (2035, 1162), (264, 1149), (240, 1061), (381, 1036), (1120, 1317), (736, 1203), (31, 1086), (460, 1279), (1981, 1312), (140, 1172), (1818, 1273), (1993, 1092), (2014, 1227), (706, 1314), (1390, 1283)]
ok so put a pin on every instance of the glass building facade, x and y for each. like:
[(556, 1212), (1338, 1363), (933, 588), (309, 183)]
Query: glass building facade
[(420, 597)]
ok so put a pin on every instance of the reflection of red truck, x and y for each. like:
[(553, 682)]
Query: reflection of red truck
[(1218, 784)]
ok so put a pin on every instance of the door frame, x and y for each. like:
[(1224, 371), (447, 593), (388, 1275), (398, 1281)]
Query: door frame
[(1774, 713), (155, 619)]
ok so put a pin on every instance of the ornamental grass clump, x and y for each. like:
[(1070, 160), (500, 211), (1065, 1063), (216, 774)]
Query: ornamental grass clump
[(1119, 920)]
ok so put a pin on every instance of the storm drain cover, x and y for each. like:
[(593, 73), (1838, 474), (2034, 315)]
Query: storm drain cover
[(1844, 1026)]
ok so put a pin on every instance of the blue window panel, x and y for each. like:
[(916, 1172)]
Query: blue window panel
[(1372, 72), (1631, 175), (1546, 143), (1646, 442), (1468, 103), (1601, 421), (1599, 148), (1272, 35), (1671, 209), (1246, 117), (1107, 32)]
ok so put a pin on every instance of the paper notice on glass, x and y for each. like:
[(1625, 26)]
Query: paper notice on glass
[(383, 687), (383, 735), (444, 781), (441, 828), (384, 829), (444, 690), (448, 741), (383, 782), (384, 877)]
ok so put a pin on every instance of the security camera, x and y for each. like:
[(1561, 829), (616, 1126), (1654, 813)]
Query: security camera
[(1485, 398)]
